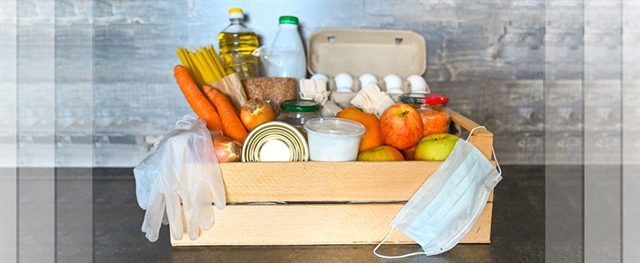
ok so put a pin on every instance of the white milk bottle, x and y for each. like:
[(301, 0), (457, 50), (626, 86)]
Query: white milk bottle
[(286, 56)]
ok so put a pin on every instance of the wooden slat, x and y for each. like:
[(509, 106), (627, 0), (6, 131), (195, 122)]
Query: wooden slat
[(324, 181), (481, 138), (314, 225), (467, 124)]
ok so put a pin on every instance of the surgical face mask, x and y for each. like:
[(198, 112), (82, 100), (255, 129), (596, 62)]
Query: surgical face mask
[(446, 206)]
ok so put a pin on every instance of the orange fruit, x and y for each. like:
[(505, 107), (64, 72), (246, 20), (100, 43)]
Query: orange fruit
[(371, 138)]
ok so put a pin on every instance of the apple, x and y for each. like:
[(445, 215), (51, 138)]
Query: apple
[(381, 154), (400, 126), (408, 153), (435, 147)]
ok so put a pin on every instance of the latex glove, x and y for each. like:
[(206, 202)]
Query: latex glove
[(316, 90), (184, 166), (372, 100)]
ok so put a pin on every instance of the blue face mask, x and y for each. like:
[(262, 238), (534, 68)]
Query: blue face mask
[(447, 205)]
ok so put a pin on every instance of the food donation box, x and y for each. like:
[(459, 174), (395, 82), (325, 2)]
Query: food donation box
[(323, 203)]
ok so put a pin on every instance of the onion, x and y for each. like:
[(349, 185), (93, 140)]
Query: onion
[(227, 150), (255, 112)]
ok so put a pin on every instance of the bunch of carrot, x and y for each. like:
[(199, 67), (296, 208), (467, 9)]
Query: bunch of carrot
[(211, 106)]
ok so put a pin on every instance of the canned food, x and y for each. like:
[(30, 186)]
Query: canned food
[(275, 141)]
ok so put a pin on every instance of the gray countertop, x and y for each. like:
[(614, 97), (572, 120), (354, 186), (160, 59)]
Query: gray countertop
[(517, 234)]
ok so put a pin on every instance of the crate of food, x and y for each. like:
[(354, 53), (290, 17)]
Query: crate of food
[(304, 203), (317, 203)]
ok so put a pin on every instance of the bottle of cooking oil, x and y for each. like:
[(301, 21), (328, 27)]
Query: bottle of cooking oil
[(236, 43)]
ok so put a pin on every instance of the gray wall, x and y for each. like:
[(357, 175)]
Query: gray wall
[(545, 76)]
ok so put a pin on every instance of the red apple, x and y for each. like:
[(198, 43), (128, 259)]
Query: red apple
[(381, 154), (435, 147), (400, 126), (408, 153)]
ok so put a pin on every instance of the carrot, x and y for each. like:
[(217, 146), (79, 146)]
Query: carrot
[(233, 127), (198, 102)]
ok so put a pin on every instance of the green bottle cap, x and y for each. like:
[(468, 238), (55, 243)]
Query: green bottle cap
[(300, 105), (288, 20)]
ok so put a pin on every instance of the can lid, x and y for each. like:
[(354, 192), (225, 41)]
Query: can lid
[(300, 105), (428, 98), (275, 141), (236, 12), (288, 20)]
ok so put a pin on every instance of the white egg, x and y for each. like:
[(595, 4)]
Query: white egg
[(365, 79), (418, 84), (344, 82), (394, 84), (319, 76)]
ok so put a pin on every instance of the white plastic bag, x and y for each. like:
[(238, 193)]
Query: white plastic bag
[(184, 166)]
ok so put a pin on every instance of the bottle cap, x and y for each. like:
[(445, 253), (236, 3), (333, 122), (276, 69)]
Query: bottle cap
[(288, 20), (429, 98), (235, 13), (300, 105)]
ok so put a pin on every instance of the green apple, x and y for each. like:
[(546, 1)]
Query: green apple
[(435, 147)]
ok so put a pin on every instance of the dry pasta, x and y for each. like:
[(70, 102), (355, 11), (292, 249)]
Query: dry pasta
[(203, 64)]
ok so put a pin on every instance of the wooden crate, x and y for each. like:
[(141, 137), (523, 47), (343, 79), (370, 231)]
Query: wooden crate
[(311, 203)]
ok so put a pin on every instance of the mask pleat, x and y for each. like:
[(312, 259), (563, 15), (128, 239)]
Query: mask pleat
[(457, 185)]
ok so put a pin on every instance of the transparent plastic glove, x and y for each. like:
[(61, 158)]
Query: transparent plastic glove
[(372, 100), (185, 167)]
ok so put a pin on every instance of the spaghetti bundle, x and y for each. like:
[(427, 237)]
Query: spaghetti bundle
[(203, 64)]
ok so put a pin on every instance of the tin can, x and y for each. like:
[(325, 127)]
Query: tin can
[(275, 141)]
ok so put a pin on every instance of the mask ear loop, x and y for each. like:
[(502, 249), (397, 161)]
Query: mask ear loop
[(492, 149), (497, 163), (474, 129), (393, 257)]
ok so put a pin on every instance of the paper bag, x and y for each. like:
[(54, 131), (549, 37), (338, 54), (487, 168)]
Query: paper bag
[(232, 87)]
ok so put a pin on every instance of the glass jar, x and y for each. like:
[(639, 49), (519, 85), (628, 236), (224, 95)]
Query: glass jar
[(297, 112), (432, 110)]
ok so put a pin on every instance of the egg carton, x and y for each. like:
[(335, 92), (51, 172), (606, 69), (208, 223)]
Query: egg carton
[(356, 52), (343, 98)]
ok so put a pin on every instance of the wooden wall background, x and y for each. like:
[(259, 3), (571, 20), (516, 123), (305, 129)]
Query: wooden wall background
[(556, 81)]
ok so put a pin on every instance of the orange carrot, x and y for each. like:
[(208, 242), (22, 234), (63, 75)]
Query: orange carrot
[(233, 127), (198, 102)]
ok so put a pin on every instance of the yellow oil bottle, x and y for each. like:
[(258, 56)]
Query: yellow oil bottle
[(237, 42)]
